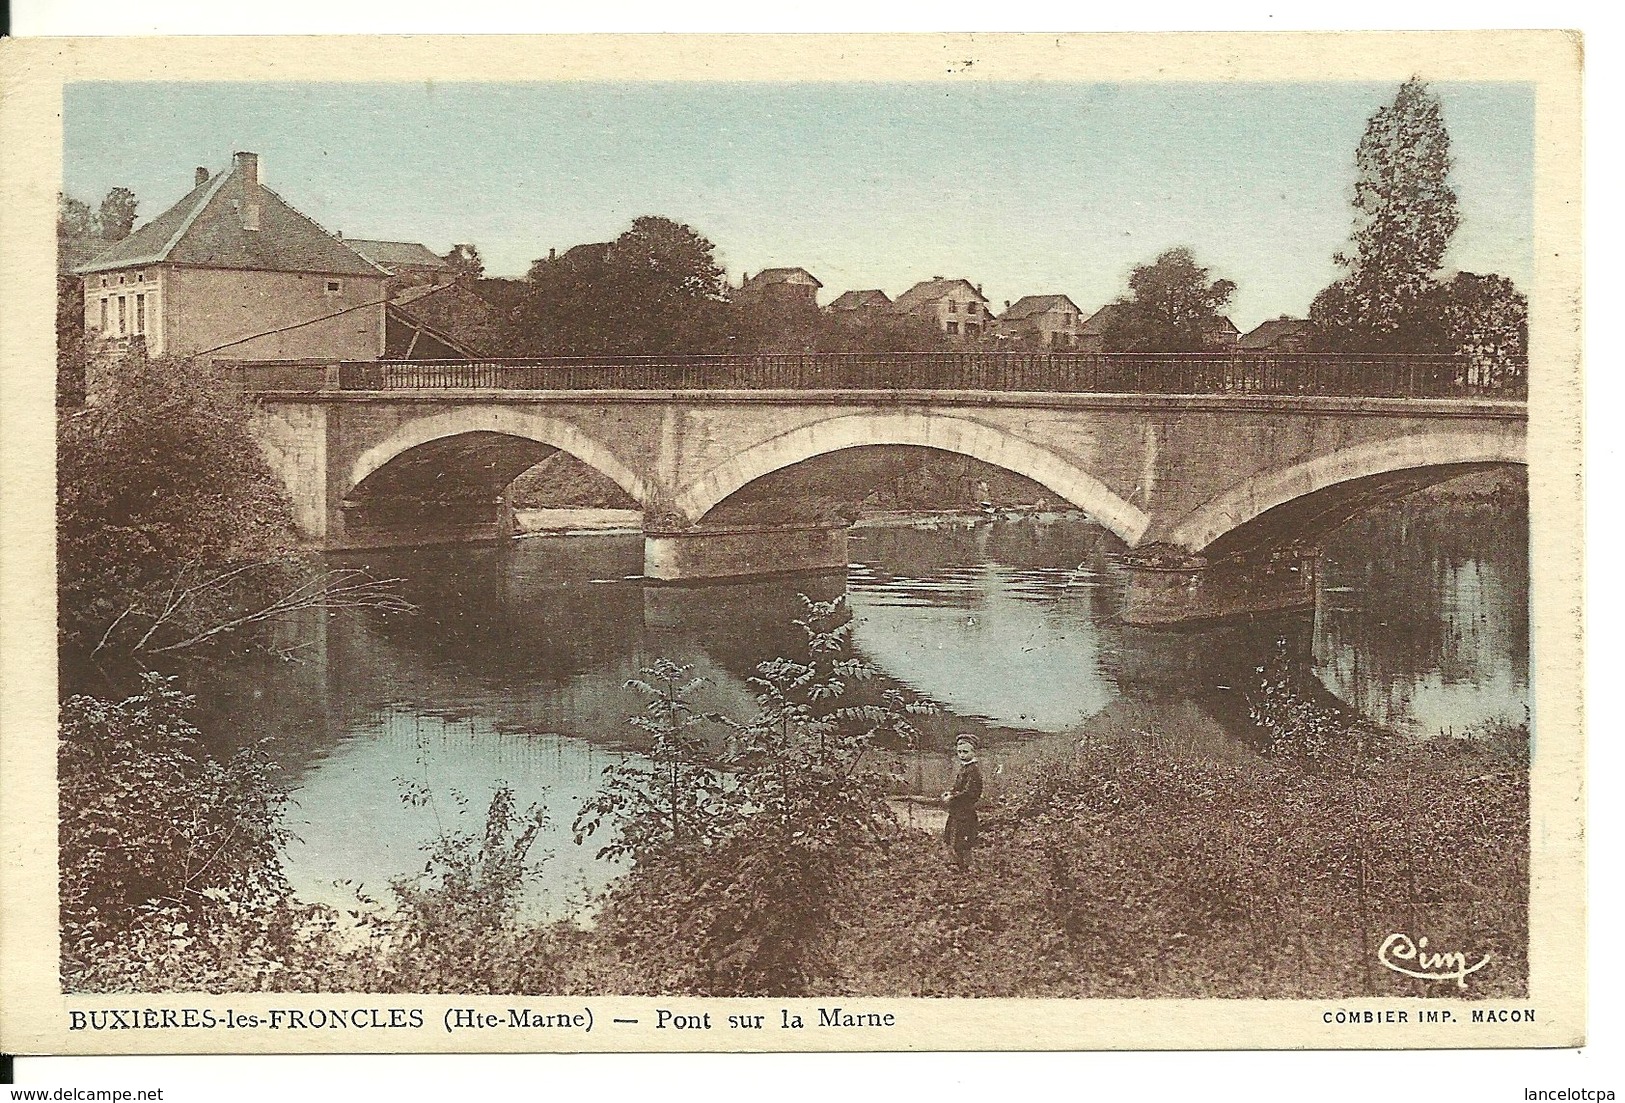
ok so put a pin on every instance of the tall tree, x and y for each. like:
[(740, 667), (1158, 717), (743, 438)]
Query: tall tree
[(1404, 217), (73, 217), (1484, 319), (116, 216), (656, 289), (465, 262), (76, 238), (81, 233), (1172, 306)]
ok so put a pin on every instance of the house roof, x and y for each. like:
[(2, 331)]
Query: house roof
[(782, 275), (1028, 305), (1223, 324), (859, 300), (1266, 334), (205, 230), (929, 291), (1101, 319), (394, 254)]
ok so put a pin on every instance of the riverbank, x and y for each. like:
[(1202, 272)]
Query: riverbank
[(1115, 869), (1129, 871)]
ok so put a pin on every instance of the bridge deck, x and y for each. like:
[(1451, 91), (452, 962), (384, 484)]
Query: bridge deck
[(1324, 374)]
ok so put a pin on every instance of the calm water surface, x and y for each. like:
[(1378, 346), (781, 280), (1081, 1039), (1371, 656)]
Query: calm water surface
[(513, 670)]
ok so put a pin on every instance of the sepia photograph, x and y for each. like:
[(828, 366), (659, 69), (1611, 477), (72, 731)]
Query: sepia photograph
[(733, 562)]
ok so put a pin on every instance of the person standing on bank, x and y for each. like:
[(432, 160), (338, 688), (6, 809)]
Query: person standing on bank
[(960, 832)]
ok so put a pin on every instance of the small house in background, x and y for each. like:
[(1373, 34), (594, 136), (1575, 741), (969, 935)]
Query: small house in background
[(408, 263), (781, 287), (233, 269), (1284, 334), (1092, 333), (860, 303), (1052, 321), (1221, 336), (957, 307)]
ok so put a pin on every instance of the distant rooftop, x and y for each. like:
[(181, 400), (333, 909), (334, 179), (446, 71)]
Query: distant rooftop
[(871, 298), (782, 275), (391, 255), (1268, 333), (1028, 305), (929, 291)]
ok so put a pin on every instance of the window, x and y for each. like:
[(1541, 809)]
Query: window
[(140, 277), (953, 327), (104, 281), (102, 325), (121, 278), (123, 316), (332, 287), (953, 307), (141, 314), (970, 308)]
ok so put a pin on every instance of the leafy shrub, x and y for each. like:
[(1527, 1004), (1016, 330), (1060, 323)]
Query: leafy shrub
[(457, 926), (172, 530), (156, 836), (1295, 717), (160, 482), (171, 876), (749, 900)]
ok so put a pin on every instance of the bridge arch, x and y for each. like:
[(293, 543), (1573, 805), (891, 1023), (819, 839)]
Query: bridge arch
[(1448, 452), (940, 431), (523, 425)]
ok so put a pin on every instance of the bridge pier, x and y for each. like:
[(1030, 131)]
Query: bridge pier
[(1168, 587), (705, 553)]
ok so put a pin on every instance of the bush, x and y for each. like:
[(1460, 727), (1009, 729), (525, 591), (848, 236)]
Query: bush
[(457, 926), (172, 531), (171, 877), (161, 489), (748, 898), (157, 838)]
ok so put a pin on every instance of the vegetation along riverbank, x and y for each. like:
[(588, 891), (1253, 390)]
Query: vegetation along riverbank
[(766, 860)]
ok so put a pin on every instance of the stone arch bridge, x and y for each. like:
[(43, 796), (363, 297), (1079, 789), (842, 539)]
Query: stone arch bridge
[(1220, 495)]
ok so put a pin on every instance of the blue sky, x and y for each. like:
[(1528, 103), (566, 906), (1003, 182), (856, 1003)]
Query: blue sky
[(1024, 188)]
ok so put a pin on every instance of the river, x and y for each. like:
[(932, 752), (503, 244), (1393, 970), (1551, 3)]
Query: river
[(513, 669)]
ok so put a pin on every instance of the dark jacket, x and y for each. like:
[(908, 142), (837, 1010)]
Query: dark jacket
[(967, 789)]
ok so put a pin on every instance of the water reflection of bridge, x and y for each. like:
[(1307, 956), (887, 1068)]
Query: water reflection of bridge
[(531, 644), (1215, 468)]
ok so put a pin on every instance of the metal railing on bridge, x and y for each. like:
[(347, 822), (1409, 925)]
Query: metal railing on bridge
[(1296, 373)]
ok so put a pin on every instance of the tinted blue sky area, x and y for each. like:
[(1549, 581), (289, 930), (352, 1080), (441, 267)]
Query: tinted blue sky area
[(1024, 188)]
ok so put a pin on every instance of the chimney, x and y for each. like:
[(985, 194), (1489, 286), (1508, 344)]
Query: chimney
[(552, 254), (248, 166), (1007, 304), (200, 175)]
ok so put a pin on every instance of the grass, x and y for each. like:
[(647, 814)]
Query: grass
[(1126, 871)]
